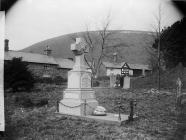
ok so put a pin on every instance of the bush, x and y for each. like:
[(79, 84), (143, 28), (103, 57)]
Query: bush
[(17, 76), (59, 80), (47, 80), (40, 102), (24, 101), (103, 78), (31, 102), (95, 83), (120, 79)]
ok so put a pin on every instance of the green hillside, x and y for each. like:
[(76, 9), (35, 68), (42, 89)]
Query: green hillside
[(168, 79), (131, 46)]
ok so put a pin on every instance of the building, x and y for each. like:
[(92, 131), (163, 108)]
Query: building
[(135, 69), (41, 65), (45, 65)]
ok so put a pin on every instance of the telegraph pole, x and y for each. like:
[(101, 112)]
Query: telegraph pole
[(159, 58)]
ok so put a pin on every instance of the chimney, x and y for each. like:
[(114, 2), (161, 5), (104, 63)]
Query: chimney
[(47, 51), (6, 45), (115, 57)]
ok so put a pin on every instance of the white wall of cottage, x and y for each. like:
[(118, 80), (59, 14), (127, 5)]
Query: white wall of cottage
[(114, 71)]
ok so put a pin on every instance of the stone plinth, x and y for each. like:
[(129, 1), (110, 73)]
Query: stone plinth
[(77, 106), (78, 98), (126, 82), (110, 118)]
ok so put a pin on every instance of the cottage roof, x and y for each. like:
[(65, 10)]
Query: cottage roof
[(132, 66), (65, 63), (30, 57), (112, 65), (139, 66)]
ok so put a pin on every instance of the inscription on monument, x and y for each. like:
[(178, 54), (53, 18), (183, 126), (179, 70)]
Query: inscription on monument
[(86, 81)]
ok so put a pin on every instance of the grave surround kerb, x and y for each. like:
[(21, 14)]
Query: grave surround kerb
[(79, 97)]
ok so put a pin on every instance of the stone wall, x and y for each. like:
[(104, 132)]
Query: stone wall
[(53, 70)]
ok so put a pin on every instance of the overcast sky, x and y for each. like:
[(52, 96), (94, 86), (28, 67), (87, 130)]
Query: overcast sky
[(31, 21)]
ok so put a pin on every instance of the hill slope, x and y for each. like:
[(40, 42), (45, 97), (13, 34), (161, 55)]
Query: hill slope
[(131, 46)]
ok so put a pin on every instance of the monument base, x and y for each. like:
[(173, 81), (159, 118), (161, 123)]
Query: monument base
[(79, 102), (110, 118)]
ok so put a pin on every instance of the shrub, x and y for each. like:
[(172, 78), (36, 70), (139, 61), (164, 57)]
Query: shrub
[(27, 101), (47, 80), (17, 76), (103, 78), (119, 80), (59, 80), (40, 102), (24, 101), (95, 83)]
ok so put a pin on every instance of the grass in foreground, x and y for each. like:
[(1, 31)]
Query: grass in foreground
[(157, 117)]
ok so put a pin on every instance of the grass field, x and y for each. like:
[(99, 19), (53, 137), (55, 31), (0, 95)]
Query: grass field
[(158, 118)]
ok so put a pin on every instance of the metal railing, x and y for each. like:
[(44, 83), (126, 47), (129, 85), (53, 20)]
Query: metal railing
[(133, 103)]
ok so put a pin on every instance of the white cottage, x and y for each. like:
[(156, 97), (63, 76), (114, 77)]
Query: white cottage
[(135, 69)]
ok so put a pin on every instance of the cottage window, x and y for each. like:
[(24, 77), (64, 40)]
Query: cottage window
[(45, 67)]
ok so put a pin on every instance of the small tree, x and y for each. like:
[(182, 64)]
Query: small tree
[(17, 76), (97, 42), (173, 44)]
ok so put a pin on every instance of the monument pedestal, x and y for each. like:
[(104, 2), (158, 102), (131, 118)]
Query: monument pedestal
[(79, 102)]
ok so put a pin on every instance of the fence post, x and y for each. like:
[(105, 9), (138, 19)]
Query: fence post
[(178, 91), (57, 106), (119, 117), (85, 107), (131, 110)]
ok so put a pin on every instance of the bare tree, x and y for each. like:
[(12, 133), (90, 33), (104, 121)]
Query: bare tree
[(158, 36), (152, 59), (97, 42), (155, 59)]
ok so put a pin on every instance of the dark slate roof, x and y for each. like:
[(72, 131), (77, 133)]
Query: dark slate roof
[(132, 66), (30, 57), (65, 63), (112, 65)]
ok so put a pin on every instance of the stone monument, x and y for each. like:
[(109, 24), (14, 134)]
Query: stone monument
[(79, 97)]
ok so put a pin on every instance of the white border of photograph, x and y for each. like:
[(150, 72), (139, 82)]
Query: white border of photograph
[(2, 37)]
